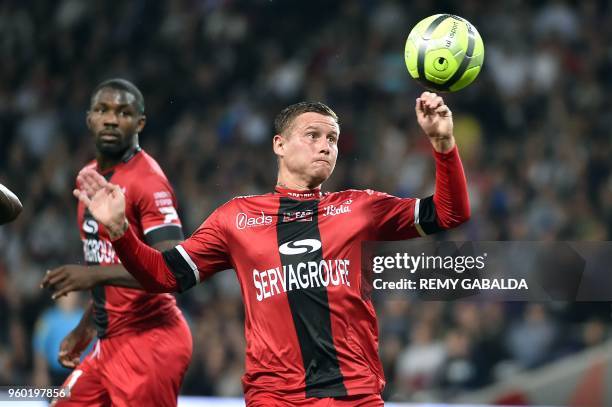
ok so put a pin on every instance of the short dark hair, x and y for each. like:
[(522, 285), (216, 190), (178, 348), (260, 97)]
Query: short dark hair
[(124, 85), (287, 115)]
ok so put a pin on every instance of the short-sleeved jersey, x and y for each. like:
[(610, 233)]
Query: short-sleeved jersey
[(151, 210), (310, 326)]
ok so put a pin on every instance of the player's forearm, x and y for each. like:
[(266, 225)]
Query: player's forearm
[(443, 143), (115, 275), (451, 196), (86, 322), (144, 263)]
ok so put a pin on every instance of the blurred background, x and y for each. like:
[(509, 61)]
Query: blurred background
[(534, 132)]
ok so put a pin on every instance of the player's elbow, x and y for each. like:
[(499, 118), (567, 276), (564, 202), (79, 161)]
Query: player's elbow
[(463, 217), (155, 287), (455, 219), (161, 283)]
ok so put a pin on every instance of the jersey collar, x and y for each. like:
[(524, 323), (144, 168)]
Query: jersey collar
[(130, 153), (299, 194), (127, 156)]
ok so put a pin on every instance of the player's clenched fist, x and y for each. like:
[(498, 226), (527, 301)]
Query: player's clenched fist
[(73, 345), (436, 120)]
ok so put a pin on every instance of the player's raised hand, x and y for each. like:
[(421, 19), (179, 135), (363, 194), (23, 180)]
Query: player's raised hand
[(104, 200), (436, 120), (90, 181)]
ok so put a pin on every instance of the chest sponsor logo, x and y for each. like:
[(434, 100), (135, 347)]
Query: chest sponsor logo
[(300, 247), (90, 226), (300, 276), (297, 216), (99, 251), (244, 221), (333, 210)]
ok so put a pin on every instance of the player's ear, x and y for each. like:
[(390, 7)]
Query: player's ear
[(142, 120), (278, 145), (88, 120)]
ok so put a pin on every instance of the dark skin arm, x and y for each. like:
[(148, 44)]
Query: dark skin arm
[(76, 341), (74, 277)]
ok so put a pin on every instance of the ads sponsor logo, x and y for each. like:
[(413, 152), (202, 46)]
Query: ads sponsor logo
[(244, 221), (333, 210), (90, 226), (300, 247)]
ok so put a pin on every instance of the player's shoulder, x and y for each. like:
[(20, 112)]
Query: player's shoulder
[(145, 164), (249, 204), (352, 194), (143, 173), (241, 200)]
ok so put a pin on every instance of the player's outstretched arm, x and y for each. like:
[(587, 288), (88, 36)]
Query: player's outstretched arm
[(106, 203), (451, 196), (10, 206), (75, 277)]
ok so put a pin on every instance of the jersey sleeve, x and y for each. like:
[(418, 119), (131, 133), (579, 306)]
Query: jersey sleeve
[(201, 255), (393, 218), (157, 210), (403, 218)]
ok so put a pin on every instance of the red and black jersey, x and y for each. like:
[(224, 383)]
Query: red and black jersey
[(310, 327), (151, 210)]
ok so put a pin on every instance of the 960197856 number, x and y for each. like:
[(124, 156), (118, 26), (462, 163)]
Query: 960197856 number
[(33, 393)]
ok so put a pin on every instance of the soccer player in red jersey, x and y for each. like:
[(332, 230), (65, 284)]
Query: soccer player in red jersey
[(311, 329), (144, 345)]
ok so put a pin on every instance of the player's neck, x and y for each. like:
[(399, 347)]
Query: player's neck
[(296, 184), (106, 162)]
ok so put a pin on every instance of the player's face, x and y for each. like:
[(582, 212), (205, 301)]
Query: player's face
[(114, 121), (310, 149)]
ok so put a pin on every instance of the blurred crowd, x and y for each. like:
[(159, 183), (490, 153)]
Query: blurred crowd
[(533, 131)]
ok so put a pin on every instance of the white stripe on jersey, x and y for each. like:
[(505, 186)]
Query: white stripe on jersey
[(189, 261), (416, 218)]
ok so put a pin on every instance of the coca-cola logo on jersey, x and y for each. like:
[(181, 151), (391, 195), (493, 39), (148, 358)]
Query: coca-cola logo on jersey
[(244, 221)]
